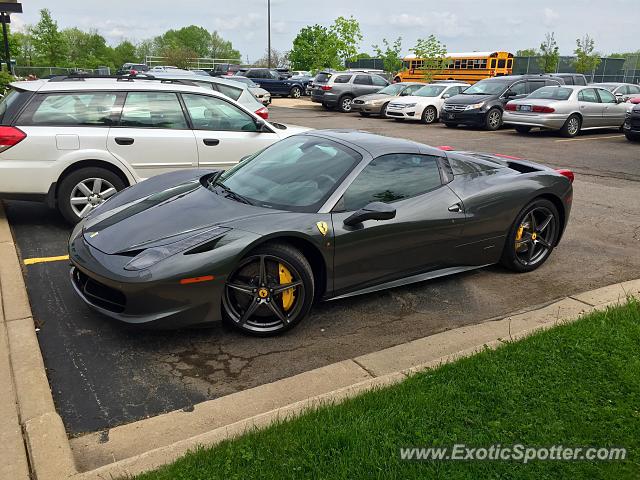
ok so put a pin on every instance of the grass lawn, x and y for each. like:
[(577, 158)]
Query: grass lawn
[(575, 385)]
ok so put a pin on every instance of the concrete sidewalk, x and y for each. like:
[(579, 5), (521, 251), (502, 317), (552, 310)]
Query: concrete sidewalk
[(34, 439)]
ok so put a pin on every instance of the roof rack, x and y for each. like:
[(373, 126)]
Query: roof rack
[(80, 77)]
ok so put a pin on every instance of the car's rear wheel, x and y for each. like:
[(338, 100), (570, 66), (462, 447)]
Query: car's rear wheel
[(571, 127), (429, 115), (83, 190), (295, 92), (493, 120), (270, 291), (522, 129), (533, 236), (345, 104), (632, 137)]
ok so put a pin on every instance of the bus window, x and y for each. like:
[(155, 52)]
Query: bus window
[(509, 63), (501, 63), (457, 64), (493, 63)]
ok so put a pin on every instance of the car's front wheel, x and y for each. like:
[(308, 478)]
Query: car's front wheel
[(270, 291), (429, 115), (493, 120), (83, 190), (533, 236), (295, 92)]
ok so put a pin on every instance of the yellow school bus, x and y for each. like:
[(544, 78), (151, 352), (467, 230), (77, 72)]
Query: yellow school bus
[(467, 67)]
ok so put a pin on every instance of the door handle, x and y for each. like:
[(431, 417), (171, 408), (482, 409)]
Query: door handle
[(124, 141), (210, 142), (455, 208)]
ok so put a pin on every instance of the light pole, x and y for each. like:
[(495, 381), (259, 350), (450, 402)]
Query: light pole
[(7, 7), (269, 33)]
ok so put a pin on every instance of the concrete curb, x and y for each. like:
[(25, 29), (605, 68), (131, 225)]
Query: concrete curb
[(131, 449)]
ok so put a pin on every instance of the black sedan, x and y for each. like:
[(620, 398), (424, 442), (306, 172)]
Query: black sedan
[(317, 216)]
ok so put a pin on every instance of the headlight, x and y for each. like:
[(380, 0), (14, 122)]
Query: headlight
[(153, 255), (409, 105), (474, 106)]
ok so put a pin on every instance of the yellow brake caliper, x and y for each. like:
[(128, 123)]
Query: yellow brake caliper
[(288, 296), (519, 236)]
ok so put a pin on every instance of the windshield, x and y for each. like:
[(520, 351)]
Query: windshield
[(245, 80), (430, 91), (552, 93), (486, 87), (393, 89), (298, 173), (608, 86)]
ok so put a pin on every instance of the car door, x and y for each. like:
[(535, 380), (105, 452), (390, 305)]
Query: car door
[(533, 85), (224, 133), (518, 90), (420, 238), (590, 108), (153, 135), (613, 113), (362, 85)]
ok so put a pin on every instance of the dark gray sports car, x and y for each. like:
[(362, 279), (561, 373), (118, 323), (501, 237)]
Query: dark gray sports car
[(317, 216)]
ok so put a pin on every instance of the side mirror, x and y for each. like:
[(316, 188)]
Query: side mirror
[(446, 95), (620, 99), (261, 126), (372, 211), (510, 93)]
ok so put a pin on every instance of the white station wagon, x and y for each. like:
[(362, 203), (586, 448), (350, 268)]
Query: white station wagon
[(73, 141)]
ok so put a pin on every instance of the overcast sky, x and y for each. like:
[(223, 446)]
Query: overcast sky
[(463, 25)]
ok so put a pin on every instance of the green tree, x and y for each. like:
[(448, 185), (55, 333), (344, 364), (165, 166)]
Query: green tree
[(314, 48), (433, 53), (178, 56), (194, 38), (587, 59), (549, 54), (221, 48), (86, 49), (527, 52), (124, 52), (362, 56), (348, 35), (48, 42), (390, 55), (22, 50)]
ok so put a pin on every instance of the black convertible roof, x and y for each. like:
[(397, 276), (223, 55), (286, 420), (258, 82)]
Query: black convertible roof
[(376, 145)]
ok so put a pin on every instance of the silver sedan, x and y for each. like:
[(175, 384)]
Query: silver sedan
[(566, 108)]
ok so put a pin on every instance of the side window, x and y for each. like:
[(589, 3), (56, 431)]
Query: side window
[(362, 80), (379, 81), (392, 177), (501, 63), (606, 96), (207, 85), (633, 89), (342, 79), (568, 80), (510, 63), (623, 90), (231, 92), (535, 85), (519, 88), (411, 90), (211, 113), (579, 80), (79, 109), (493, 63), (587, 95), (152, 110)]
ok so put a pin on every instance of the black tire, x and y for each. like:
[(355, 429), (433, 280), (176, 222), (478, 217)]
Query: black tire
[(522, 129), (632, 137), (450, 125), (264, 321), (493, 119), (515, 252), (344, 104), (364, 114), (383, 110), (295, 92), (572, 126), (429, 115), (69, 183)]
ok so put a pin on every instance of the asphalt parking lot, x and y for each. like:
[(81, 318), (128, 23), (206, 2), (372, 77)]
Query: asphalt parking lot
[(103, 374)]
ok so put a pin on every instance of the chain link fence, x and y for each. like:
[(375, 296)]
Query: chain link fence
[(609, 69), (44, 72)]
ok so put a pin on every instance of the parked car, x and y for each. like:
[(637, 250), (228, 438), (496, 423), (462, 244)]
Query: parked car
[(631, 126), (483, 103), (74, 142), (568, 109), (338, 89), (377, 103), (253, 248), (224, 69), (623, 90), (233, 89), (426, 103), (275, 82), (129, 68), (571, 78), (166, 68), (260, 93), (306, 80)]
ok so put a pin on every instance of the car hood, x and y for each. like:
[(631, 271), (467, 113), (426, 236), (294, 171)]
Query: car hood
[(169, 214), (373, 96), (414, 99), (470, 99)]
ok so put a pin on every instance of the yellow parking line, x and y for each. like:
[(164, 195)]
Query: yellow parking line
[(32, 261), (589, 138)]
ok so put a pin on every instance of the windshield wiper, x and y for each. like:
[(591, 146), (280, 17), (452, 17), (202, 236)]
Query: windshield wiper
[(236, 196)]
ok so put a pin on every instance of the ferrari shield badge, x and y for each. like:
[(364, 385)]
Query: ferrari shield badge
[(322, 227)]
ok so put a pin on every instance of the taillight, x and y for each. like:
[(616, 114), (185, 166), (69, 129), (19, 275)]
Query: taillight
[(263, 113), (566, 173), (445, 148), (511, 107), (133, 72), (325, 87), (543, 109), (10, 136)]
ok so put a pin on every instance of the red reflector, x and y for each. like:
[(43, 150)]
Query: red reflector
[(445, 148), (543, 109), (511, 107), (507, 156), (263, 113), (187, 281), (566, 173), (10, 136), (325, 87)]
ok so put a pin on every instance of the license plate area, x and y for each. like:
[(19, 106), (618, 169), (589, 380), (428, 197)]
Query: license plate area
[(524, 108)]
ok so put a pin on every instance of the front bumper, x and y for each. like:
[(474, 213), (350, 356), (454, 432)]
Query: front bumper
[(366, 108), (632, 125), (404, 113), (469, 117), (552, 121)]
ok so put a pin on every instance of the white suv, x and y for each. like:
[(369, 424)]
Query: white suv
[(426, 103), (75, 141)]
